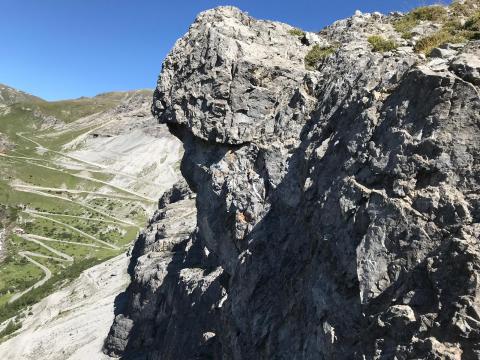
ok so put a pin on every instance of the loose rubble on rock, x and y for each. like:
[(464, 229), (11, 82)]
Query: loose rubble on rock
[(336, 210)]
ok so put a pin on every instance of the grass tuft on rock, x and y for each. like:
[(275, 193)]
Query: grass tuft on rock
[(297, 32), (453, 31), (428, 43), (380, 44), (11, 327), (316, 55), (406, 23), (465, 7)]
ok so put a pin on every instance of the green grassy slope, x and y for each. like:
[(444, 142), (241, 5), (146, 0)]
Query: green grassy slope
[(50, 210), (9, 95)]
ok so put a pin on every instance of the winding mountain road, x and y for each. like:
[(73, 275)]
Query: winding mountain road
[(74, 191), (48, 274), (83, 177), (72, 216), (73, 228), (82, 205), (42, 241)]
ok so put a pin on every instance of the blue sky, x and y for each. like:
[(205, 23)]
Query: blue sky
[(59, 49)]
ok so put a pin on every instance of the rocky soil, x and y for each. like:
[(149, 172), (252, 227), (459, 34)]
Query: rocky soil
[(337, 209)]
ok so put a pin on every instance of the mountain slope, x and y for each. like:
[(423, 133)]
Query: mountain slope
[(10, 96), (73, 321), (336, 177), (74, 190)]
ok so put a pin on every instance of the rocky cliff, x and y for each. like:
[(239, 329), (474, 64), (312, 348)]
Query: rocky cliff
[(336, 206)]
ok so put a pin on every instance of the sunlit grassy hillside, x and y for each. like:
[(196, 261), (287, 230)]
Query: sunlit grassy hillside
[(59, 215)]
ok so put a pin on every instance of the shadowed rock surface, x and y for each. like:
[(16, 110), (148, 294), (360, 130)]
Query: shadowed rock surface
[(337, 209)]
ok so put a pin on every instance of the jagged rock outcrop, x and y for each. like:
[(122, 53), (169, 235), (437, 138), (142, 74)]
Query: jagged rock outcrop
[(168, 270), (337, 209)]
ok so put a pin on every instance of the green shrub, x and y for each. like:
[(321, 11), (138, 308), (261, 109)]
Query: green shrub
[(297, 32), (317, 54), (404, 26), (470, 30), (473, 22), (429, 13), (459, 9), (452, 25), (381, 44)]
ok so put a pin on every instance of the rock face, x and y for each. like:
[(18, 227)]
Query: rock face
[(337, 209), (168, 268)]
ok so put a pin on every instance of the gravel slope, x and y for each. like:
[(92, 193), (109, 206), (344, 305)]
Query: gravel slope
[(74, 321)]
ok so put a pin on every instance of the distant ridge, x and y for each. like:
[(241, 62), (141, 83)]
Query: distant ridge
[(10, 95)]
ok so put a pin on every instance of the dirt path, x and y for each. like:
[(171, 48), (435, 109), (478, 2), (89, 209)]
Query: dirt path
[(72, 216), (97, 181), (62, 256), (48, 274), (73, 322), (103, 168), (41, 147), (89, 178), (3, 236), (73, 191), (83, 165), (44, 238)]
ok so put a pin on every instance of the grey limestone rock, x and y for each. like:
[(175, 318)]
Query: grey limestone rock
[(337, 209), (467, 63), (443, 53)]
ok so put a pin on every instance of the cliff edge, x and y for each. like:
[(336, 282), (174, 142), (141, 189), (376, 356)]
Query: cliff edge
[(332, 210)]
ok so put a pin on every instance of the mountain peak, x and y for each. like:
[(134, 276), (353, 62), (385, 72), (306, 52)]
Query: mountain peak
[(10, 95)]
